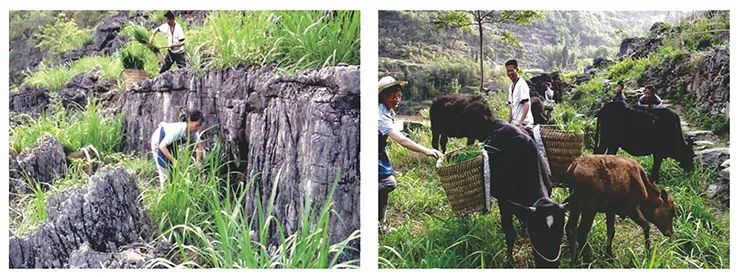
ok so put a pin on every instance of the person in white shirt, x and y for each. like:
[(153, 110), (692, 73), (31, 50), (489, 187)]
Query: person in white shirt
[(389, 97), (175, 42), (165, 137), (518, 98)]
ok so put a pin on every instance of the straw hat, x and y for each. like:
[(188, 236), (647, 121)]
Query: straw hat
[(387, 82)]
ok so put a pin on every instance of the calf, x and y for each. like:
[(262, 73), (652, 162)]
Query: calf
[(614, 185), (458, 116)]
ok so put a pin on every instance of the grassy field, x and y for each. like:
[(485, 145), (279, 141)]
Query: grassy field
[(428, 235)]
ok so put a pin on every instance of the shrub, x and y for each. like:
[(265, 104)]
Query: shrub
[(63, 36)]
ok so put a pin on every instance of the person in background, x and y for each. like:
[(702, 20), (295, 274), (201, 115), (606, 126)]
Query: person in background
[(175, 40), (518, 98), (649, 98), (619, 92), (389, 97)]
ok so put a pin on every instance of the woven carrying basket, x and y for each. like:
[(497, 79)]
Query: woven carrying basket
[(561, 148), (467, 184), (132, 76)]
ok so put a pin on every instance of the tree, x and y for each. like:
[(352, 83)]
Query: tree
[(479, 18)]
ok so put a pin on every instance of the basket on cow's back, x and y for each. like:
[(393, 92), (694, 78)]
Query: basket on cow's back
[(466, 179), (561, 148), (132, 76)]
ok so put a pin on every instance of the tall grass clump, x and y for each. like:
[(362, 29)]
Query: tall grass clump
[(235, 38), (74, 130), (314, 39), (54, 78), (212, 228)]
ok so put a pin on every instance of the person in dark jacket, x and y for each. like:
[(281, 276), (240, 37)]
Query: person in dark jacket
[(619, 92)]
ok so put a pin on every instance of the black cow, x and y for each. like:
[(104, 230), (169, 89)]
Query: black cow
[(523, 189), (457, 116), (644, 131)]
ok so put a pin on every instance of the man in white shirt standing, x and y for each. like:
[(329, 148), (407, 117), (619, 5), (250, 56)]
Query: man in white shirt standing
[(518, 98), (175, 42)]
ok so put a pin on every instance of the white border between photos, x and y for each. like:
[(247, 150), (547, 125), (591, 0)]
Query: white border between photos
[(369, 76)]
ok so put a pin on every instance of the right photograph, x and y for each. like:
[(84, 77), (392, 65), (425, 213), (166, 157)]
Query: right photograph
[(558, 139)]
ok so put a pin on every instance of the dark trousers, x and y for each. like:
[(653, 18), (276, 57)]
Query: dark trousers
[(178, 58), (385, 186)]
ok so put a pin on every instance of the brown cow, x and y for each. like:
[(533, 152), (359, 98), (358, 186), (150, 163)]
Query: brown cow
[(614, 185)]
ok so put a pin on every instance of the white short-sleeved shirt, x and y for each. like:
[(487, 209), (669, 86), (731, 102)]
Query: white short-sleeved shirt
[(385, 119), (173, 36), (173, 132), (515, 97)]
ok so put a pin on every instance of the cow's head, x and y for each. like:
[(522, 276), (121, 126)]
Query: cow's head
[(663, 214), (545, 225), (687, 155)]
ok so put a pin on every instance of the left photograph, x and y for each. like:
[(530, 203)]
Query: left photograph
[(184, 139)]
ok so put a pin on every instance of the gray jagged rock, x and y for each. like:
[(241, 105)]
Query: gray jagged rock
[(30, 100), (721, 189), (83, 86), (307, 125), (16, 183), (638, 47), (135, 255), (105, 216), (712, 158), (43, 163), (106, 38)]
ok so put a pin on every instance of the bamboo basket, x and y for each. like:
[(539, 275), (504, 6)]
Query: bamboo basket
[(133, 76), (561, 148), (466, 184)]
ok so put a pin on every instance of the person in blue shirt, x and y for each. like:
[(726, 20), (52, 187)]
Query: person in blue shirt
[(389, 97)]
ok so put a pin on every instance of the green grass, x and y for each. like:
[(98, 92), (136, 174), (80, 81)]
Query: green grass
[(212, 229), (428, 235), (310, 39), (28, 211), (294, 41), (54, 78), (74, 130)]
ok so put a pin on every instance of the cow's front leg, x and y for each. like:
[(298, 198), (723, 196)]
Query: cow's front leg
[(656, 169), (643, 222), (443, 142), (505, 212)]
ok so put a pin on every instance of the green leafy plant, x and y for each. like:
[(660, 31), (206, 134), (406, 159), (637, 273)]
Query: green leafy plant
[(63, 36), (131, 58)]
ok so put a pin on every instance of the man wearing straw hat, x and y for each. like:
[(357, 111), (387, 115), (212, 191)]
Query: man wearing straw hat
[(389, 97)]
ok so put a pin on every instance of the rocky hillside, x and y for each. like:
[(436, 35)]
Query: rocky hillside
[(281, 137), (411, 47)]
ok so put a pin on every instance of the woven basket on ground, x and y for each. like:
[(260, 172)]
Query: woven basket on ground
[(561, 148), (467, 184), (132, 76)]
